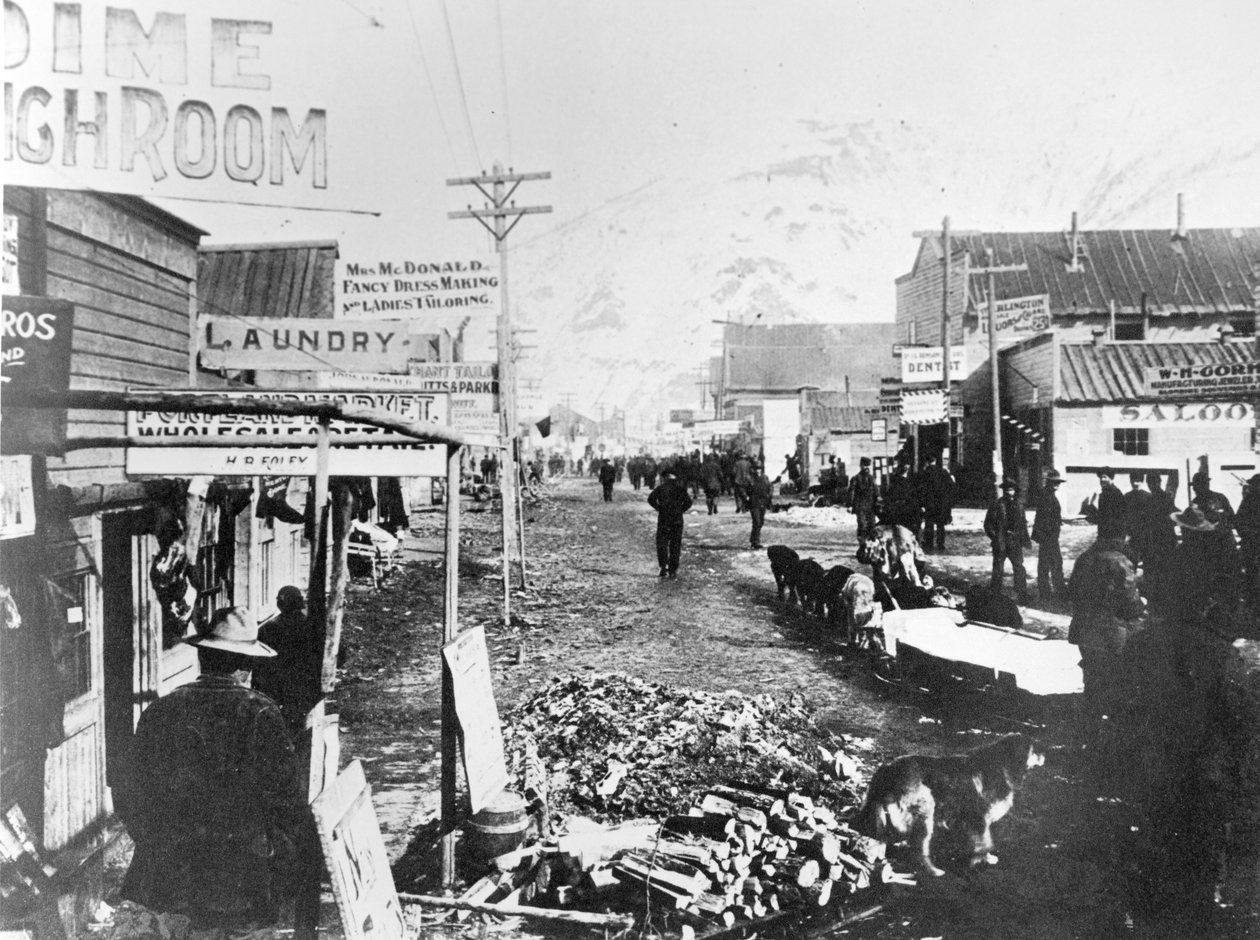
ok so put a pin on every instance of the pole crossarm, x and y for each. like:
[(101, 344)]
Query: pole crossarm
[(195, 402), (516, 214)]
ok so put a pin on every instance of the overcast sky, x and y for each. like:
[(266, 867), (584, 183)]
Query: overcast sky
[(609, 96)]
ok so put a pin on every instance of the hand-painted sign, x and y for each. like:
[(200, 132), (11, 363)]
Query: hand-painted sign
[(17, 498), (1214, 379), (416, 286), (166, 98), (924, 364), (306, 344), (357, 863), (480, 730), (924, 407), (34, 354), (395, 455), (472, 387), (1164, 414), (1017, 314)]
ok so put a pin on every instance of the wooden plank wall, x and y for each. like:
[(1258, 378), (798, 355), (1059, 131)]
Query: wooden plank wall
[(130, 280)]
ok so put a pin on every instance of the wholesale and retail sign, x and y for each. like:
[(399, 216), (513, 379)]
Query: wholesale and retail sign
[(172, 98), (395, 455), (1217, 380), (417, 286), (925, 364), (310, 344), (1026, 315)]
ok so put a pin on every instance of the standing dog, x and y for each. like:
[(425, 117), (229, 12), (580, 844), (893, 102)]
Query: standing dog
[(966, 793), (783, 563)]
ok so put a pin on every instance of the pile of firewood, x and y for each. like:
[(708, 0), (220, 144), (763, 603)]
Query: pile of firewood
[(618, 747), (744, 852)]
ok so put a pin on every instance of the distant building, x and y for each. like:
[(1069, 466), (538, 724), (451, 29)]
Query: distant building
[(765, 368)]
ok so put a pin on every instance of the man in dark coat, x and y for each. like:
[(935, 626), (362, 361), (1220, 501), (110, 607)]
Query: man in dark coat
[(671, 502), (607, 477), (743, 480), (711, 480), (212, 797), (1106, 611), (936, 496), (1047, 523), (864, 502), (291, 678), (1111, 510), (759, 492), (1007, 530), (1135, 517)]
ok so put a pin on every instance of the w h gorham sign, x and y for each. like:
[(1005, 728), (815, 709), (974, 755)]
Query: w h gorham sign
[(1213, 379), (387, 454), (159, 98)]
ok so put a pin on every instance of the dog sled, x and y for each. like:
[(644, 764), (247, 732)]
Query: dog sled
[(929, 646)]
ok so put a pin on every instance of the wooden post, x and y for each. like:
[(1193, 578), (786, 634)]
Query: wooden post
[(945, 247), (993, 368), (450, 627), (520, 513)]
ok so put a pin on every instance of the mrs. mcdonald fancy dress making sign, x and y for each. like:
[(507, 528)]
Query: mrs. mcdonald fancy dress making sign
[(423, 287), (165, 98)]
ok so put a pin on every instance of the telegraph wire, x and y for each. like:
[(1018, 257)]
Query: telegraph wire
[(507, 113), (372, 21), (428, 78), (459, 78)]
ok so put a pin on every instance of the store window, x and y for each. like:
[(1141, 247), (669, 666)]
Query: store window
[(1244, 325), (214, 562), (1132, 442), (267, 550), (69, 607)]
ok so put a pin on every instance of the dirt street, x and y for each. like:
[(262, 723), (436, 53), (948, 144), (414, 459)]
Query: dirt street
[(595, 604)]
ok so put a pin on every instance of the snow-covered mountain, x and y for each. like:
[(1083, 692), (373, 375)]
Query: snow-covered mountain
[(623, 297)]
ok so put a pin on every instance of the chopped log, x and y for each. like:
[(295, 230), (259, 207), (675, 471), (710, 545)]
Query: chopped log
[(600, 878), (764, 802), (802, 872), (819, 893), (707, 826), (784, 825), (748, 786), (509, 861), (820, 845), (517, 910)]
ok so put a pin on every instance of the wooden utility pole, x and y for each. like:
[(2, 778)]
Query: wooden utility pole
[(990, 269), (945, 234), (494, 218)]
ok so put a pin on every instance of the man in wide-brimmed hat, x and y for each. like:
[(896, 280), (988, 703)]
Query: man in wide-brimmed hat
[(212, 798), (1007, 529), (1206, 566), (1047, 523)]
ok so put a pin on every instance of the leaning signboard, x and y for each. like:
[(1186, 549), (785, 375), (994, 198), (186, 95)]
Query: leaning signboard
[(481, 733), (395, 455)]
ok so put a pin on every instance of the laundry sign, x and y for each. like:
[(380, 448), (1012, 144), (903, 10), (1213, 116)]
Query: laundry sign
[(309, 344)]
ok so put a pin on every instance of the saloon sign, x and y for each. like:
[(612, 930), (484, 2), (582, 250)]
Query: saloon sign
[(1160, 414)]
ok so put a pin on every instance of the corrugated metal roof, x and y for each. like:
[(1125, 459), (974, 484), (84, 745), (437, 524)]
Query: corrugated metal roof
[(784, 358), (835, 411), (277, 280), (1112, 373), (1204, 271)]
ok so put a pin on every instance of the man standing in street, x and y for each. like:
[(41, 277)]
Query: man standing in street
[(936, 494), (1047, 523), (864, 502), (1106, 611), (743, 480), (671, 501), (1111, 509), (1007, 530), (1135, 515), (212, 798), (758, 502), (711, 481), (607, 477)]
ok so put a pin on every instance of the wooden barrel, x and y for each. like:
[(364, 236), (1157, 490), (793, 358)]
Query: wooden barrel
[(498, 828)]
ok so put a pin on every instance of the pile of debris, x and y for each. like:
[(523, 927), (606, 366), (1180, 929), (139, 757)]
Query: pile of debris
[(617, 747)]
